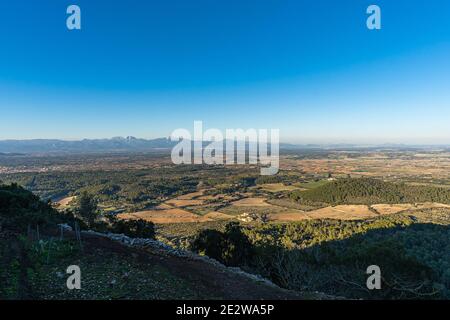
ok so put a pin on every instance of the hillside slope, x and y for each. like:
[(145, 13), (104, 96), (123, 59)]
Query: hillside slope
[(34, 260), (111, 270), (370, 191)]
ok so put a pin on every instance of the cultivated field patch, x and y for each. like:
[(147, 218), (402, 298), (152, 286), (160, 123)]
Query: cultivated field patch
[(64, 202), (215, 215), (292, 215), (251, 202), (277, 187), (190, 196), (343, 212), (184, 202), (391, 208), (164, 216)]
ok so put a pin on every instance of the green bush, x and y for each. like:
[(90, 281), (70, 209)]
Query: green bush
[(134, 228), (20, 208), (230, 247)]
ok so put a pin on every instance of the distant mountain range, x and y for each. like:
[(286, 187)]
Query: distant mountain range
[(85, 145), (132, 144), (116, 144)]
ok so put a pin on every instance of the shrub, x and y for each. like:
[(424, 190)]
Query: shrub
[(231, 247), (135, 228)]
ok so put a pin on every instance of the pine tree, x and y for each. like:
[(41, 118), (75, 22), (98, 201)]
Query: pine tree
[(87, 208)]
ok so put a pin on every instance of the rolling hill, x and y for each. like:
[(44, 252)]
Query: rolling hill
[(370, 191)]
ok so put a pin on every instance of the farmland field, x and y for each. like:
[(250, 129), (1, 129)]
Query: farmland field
[(364, 199)]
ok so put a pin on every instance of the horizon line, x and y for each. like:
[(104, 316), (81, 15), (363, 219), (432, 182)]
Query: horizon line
[(323, 143)]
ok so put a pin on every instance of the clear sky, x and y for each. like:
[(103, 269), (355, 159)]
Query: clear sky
[(308, 67)]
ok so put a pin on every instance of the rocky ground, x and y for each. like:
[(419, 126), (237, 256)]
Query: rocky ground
[(117, 267)]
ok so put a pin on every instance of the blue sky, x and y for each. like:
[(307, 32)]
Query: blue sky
[(144, 68)]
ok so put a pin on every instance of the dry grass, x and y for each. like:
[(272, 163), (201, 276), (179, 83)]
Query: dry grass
[(164, 206), (421, 166), (391, 208), (429, 205), (215, 215), (396, 208), (190, 196), (277, 187), (65, 201), (165, 216), (220, 196), (251, 202), (184, 202), (343, 212)]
